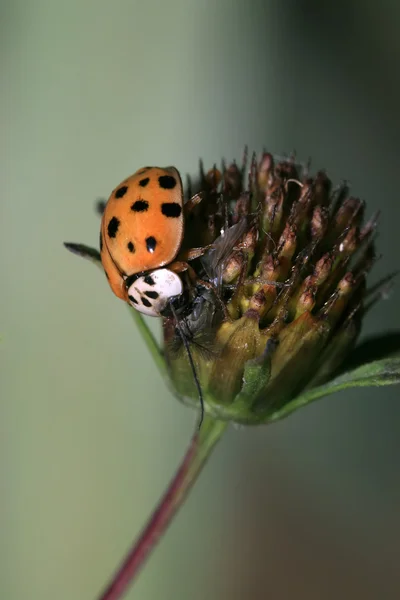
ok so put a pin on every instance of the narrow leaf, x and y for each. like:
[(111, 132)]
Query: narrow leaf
[(85, 252), (377, 373)]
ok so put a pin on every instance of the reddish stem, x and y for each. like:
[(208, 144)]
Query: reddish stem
[(196, 455)]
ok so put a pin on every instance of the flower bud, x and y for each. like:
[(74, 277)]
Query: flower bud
[(290, 302)]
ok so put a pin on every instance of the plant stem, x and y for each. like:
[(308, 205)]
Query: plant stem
[(150, 341), (200, 448)]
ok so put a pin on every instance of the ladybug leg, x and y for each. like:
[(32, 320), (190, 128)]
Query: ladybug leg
[(100, 206), (181, 266), (187, 255)]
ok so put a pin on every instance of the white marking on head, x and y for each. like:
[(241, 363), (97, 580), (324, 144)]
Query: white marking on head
[(150, 293)]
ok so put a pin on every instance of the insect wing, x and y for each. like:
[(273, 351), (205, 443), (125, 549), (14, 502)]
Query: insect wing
[(214, 260)]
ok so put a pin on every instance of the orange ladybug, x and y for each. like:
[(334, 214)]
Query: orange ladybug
[(141, 232)]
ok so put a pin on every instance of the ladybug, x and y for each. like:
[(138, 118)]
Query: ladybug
[(141, 235), (141, 238)]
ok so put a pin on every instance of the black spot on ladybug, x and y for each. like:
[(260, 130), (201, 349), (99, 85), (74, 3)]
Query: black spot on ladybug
[(144, 182), (132, 299), (140, 206), (167, 182), (153, 295), (171, 209), (120, 193), (145, 302), (151, 244), (149, 280), (113, 227), (101, 242), (131, 247)]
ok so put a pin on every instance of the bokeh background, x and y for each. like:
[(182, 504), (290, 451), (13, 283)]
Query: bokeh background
[(91, 91)]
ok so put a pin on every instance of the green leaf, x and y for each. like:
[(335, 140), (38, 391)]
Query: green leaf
[(85, 252), (377, 373)]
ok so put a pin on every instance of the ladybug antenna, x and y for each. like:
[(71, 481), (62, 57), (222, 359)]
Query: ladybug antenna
[(190, 357)]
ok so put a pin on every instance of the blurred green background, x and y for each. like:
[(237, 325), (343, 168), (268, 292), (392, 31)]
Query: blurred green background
[(91, 91)]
